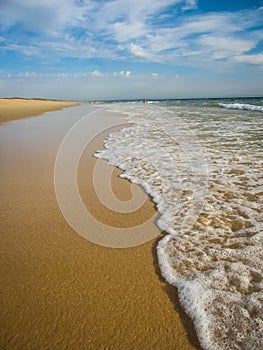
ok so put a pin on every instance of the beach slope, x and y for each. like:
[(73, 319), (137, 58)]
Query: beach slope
[(58, 290)]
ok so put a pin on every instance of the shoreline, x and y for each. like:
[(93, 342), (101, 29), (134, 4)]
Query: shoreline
[(18, 108), (61, 290)]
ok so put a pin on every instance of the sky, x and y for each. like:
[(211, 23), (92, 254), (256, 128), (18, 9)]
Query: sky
[(130, 49)]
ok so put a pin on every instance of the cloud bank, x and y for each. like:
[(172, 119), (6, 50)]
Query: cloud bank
[(149, 31), (88, 49)]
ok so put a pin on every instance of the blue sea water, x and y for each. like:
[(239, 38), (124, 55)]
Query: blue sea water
[(241, 103), (201, 161)]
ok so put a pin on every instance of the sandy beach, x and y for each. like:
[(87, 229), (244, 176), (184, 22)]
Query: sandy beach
[(18, 108), (58, 290)]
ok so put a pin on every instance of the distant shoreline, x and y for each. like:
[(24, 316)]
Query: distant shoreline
[(17, 108)]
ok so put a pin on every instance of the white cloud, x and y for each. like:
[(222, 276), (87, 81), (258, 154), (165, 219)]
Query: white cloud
[(254, 59), (124, 20), (122, 31), (155, 75), (27, 50), (121, 19), (227, 43), (97, 73), (85, 86), (123, 73), (143, 53), (201, 40), (137, 50), (44, 16), (63, 75), (190, 5), (223, 47), (126, 29)]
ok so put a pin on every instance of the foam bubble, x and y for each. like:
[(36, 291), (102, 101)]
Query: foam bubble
[(213, 253)]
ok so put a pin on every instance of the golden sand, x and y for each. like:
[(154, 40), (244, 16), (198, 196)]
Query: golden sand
[(16, 108), (60, 291)]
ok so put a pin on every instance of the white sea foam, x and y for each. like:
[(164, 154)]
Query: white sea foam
[(244, 106), (213, 252)]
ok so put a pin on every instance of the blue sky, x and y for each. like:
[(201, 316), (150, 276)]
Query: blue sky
[(118, 49)]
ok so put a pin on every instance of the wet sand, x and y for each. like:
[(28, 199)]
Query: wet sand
[(58, 290)]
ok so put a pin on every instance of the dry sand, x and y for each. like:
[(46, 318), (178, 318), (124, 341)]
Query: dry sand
[(58, 290), (16, 108)]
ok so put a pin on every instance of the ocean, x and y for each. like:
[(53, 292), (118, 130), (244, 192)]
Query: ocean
[(201, 162)]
